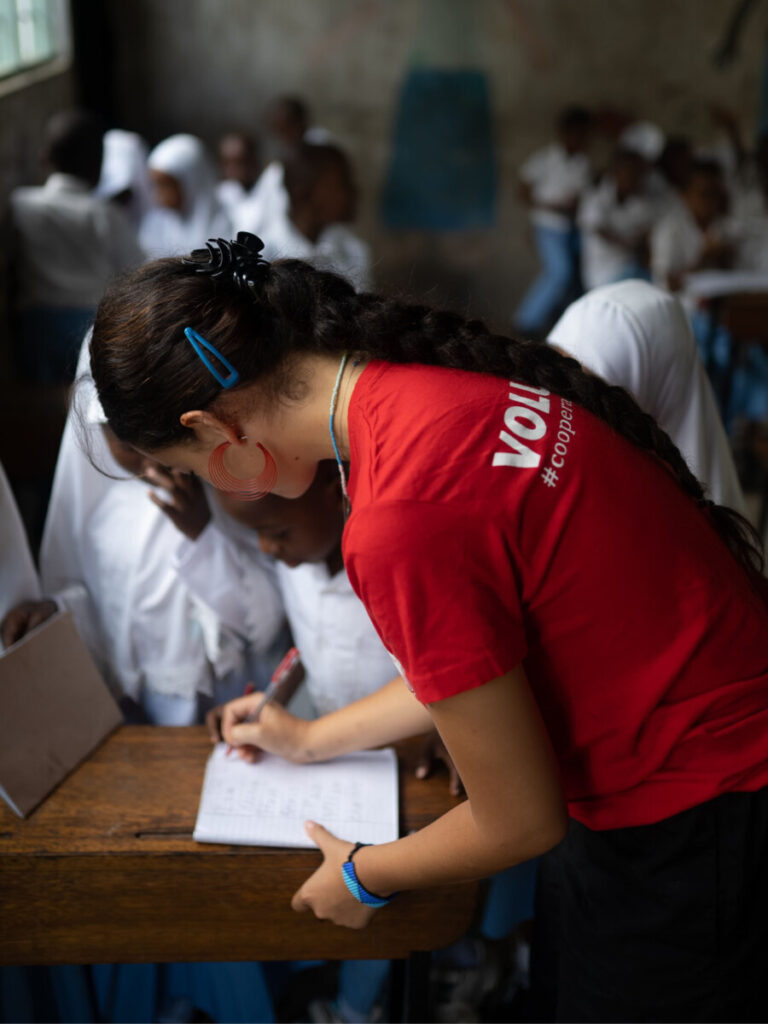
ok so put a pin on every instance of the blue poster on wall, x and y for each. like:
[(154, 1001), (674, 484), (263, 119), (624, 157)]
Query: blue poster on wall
[(442, 174)]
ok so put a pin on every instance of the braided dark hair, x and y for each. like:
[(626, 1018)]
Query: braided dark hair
[(147, 374)]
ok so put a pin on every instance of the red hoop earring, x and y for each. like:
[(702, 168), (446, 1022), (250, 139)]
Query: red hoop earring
[(246, 490)]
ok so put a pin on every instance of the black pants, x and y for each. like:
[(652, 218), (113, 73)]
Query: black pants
[(664, 922)]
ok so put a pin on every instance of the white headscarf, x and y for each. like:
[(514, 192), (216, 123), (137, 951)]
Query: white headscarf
[(123, 167), (638, 337), (644, 138), (166, 232), (108, 554)]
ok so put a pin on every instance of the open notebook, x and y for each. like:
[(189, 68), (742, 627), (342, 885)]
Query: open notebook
[(267, 803)]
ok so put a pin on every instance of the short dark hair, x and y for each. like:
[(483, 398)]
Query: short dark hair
[(74, 143), (574, 118), (307, 165)]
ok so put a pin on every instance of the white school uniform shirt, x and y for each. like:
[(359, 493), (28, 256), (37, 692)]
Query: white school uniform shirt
[(677, 241), (18, 578), (151, 637), (661, 194), (603, 262), (155, 638), (71, 242), (555, 176), (167, 232), (108, 555), (266, 201), (340, 650), (231, 196), (268, 198), (343, 657), (749, 210), (337, 249), (638, 337)]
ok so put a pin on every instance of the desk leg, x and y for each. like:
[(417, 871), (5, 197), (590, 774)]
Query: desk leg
[(409, 989)]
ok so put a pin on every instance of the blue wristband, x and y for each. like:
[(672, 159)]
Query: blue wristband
[(356, 888)]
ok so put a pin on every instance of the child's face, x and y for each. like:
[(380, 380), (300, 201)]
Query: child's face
[(576, 139), (127, 457), (168, 192), (704, 197), (305, 529), (335, 195), (629, 175), (286, 125), (237, 160)]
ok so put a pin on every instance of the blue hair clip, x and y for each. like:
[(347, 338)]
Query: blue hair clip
[(198, 343)]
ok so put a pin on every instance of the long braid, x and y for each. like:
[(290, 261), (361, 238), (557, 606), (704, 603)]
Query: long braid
[(259, 315), (402, 333)]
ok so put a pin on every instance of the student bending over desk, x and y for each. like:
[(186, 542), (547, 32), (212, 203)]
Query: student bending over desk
[(585, 629), (343, 658)]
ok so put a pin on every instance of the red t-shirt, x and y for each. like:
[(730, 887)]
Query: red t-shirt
[(493, 524)]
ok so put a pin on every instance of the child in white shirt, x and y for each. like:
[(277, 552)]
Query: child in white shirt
[(69, 243), (694, 234), (239, 172), (552, 182), (615, 219), (108, 556), (749, 190), (188, 210), (287, 127), (322, 202), (343, 657)]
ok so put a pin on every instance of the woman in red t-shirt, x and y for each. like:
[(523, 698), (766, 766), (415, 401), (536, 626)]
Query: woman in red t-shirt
[(587, 631)]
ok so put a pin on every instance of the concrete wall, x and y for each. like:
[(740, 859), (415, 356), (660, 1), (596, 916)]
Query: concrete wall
[(206, 65), (23, 114)]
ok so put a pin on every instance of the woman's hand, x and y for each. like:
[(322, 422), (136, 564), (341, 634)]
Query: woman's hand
[(324, 892), (24, 617), (277, 730), (187, 505)]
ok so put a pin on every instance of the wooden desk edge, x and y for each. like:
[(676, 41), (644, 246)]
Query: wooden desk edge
[(196, 903)]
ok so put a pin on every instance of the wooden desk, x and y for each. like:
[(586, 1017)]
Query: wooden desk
[(106, 871)]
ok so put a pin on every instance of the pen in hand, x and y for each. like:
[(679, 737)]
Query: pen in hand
[(279, 676)]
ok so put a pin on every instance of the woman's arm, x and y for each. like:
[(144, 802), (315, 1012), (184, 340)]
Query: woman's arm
[(515, 809), (391, 713)]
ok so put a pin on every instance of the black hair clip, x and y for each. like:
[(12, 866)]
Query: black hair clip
[(241, 258)]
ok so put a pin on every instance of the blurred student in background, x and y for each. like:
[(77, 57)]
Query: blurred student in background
[(287, 128), (124, 174), (615, 219), (322, 198), (239, 167), (694, 234), (552, 182), (68, 243), (187, 210)]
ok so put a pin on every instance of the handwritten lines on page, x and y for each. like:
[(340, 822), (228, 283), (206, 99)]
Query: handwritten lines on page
[(266, 804)]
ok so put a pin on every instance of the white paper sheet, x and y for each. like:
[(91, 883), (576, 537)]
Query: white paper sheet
[(267, 803)]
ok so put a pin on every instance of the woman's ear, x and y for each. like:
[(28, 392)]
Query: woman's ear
[(208, 428)]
